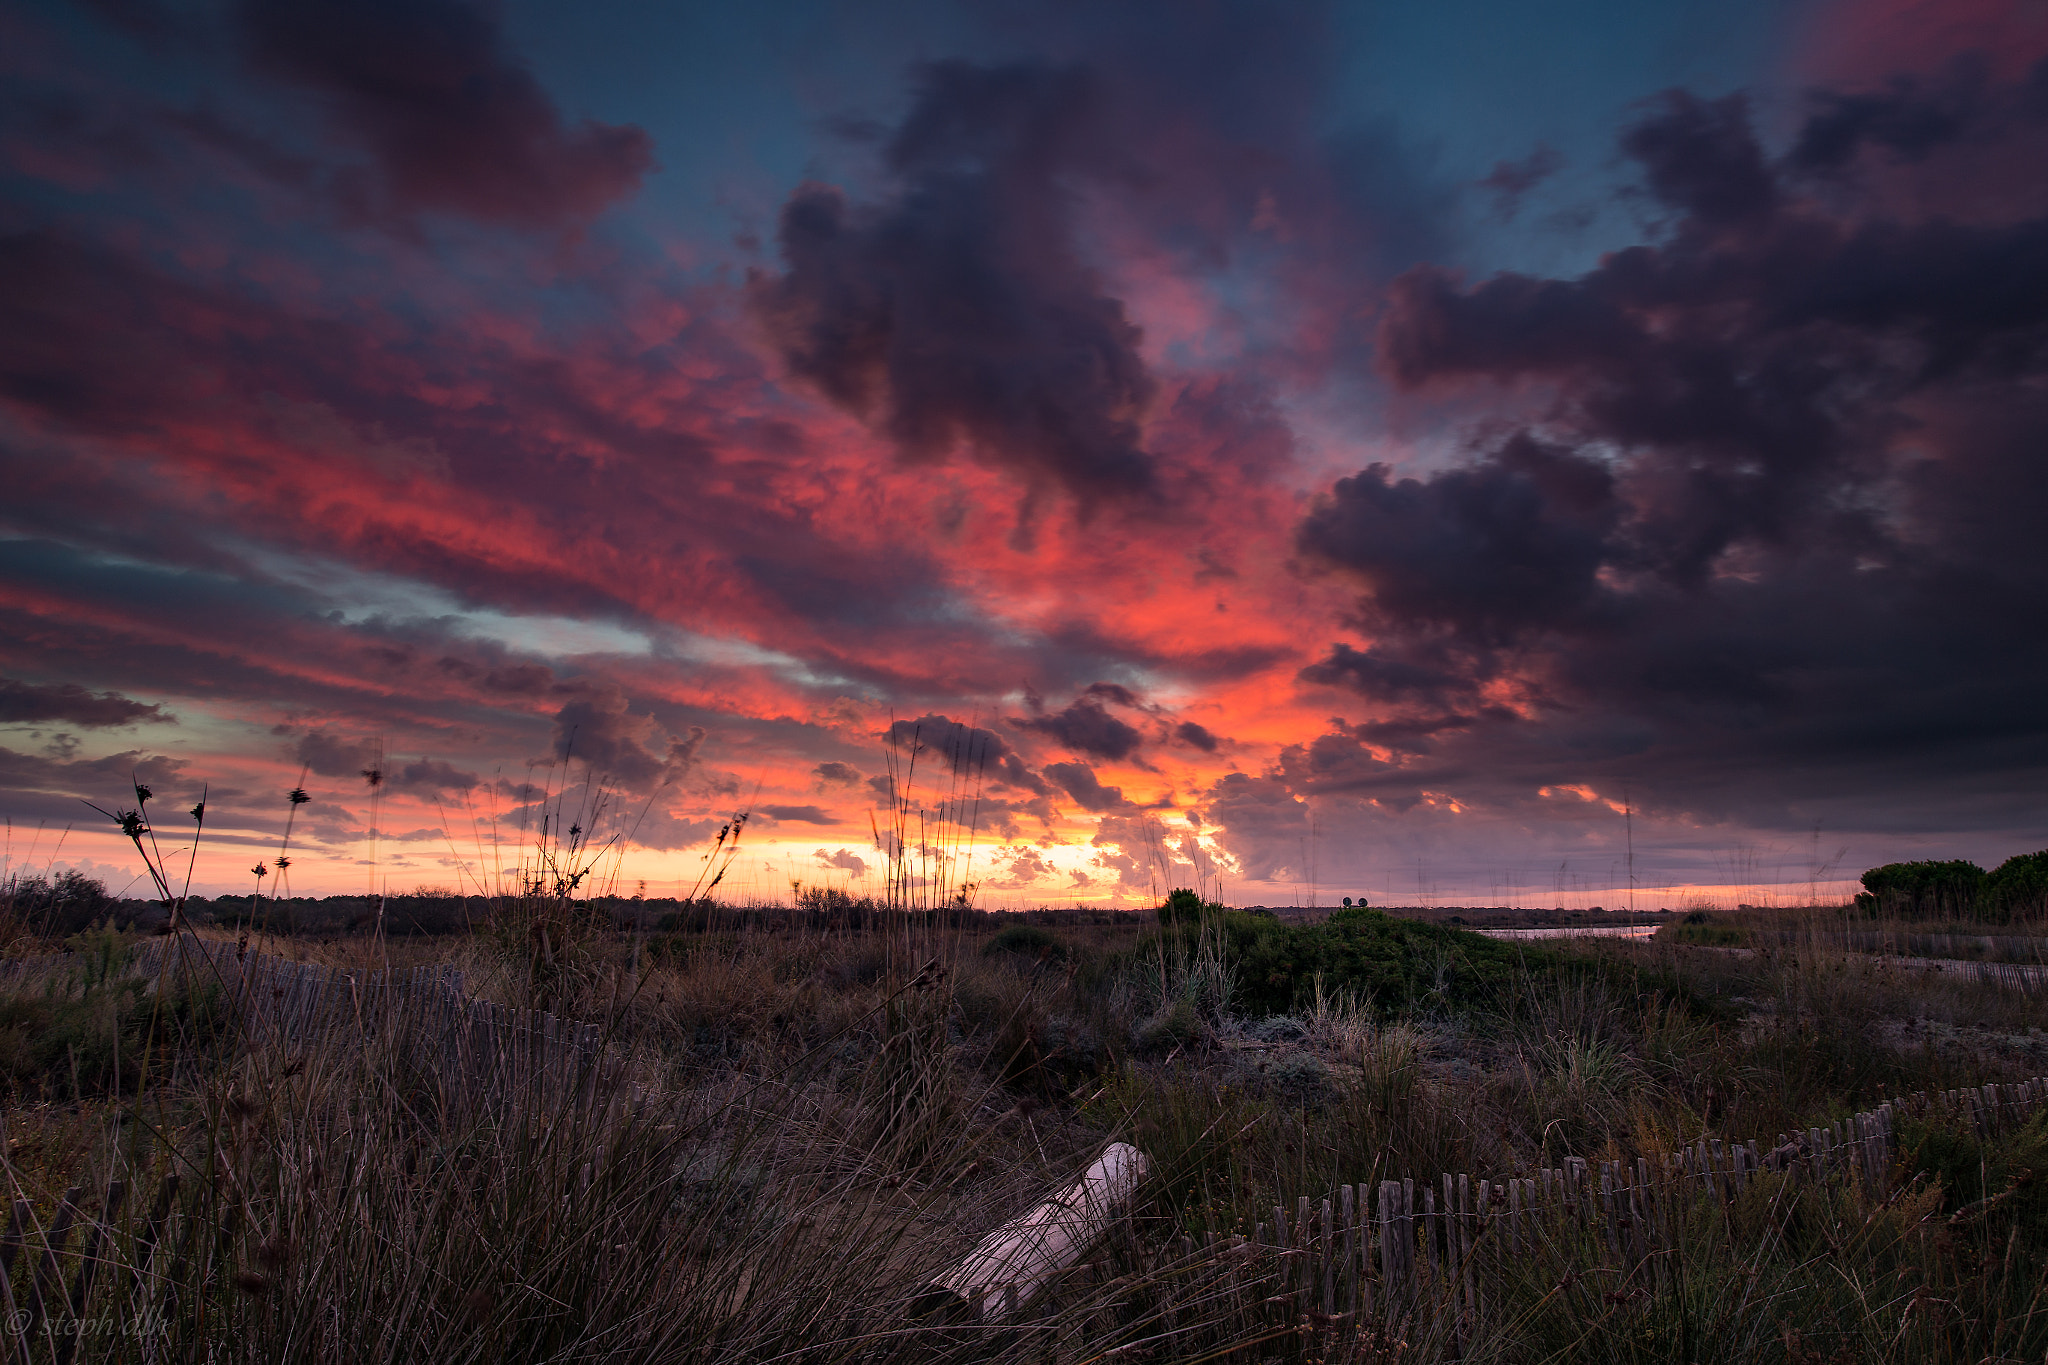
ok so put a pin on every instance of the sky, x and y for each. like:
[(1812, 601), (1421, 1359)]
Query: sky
[(1560, 453)]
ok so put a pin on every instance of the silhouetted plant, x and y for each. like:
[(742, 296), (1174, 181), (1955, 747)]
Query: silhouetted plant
[(1943, 889)]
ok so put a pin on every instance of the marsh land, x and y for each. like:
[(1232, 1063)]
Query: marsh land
[(782, 1123)]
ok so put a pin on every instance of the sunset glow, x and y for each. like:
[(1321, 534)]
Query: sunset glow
[(1317, 458)]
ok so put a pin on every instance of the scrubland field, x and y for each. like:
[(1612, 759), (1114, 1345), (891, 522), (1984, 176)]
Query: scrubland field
[(788, 1122)]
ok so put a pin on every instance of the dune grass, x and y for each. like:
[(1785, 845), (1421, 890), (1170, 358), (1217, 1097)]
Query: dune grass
[(801, 1123)]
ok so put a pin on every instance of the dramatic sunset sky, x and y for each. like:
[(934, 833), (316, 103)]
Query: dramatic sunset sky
[(1364, 444)]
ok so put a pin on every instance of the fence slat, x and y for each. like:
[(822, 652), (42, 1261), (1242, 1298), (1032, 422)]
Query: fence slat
[(49, 1278)]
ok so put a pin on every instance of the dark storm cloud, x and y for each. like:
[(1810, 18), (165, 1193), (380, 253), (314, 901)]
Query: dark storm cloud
[(455, 122), (1778, 530), (961, 311), (519, 680), (833, 773), (46, 787), (967, 748), (329, 755), (1701, 158), (937, 754), (1389, 673), (22, 702), (599, 729), (801, 815), (1197, 736), (436, 775), (1510, 543), (1914, 116), (87, 334), (968, 751), (842, 860), (1087, 727), (1259, 822), (1013, 773), (1078, 780)]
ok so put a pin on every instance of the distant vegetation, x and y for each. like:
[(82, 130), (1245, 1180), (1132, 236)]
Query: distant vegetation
[(805, 1112), (2016, 890), (64, 904)]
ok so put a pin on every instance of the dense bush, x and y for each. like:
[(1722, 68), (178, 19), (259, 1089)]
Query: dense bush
[(1395, 964), (93, 1029), (1950, 889), (1956, 889), (2018, 887), (1183, 906), (65, 904), (1700, 931), (1026, 941)]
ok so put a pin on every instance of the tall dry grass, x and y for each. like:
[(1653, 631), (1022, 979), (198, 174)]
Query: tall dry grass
[(798, 1128)]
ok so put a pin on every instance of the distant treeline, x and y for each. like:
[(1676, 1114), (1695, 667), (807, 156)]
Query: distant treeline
[(71, 903), (1957, 889)]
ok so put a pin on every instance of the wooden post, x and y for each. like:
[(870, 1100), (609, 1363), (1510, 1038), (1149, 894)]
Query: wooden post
[(1467, 1232), (1429, 1262), (1326, 1256), (1390, 1266), (89, 1261), (1454, 1264), (152, 1228), (48, 1277), (1024, 1254), (1607, 1208), (1364, 1263), (10, 1244), (1408, 1272), (1304, 1241), (1348, 1210), (1283, 1251)]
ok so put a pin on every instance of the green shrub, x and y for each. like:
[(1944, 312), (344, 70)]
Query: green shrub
[(2003, 1174), (1395, 964), (1950, 889), (1703, 935), (1176, 1024), (92, 1035), (1183, 906), (2018, 887), (1026, 941), (65, 904), (1050, 1053)]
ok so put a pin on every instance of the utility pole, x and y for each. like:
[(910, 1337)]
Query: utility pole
[(1628, 820)]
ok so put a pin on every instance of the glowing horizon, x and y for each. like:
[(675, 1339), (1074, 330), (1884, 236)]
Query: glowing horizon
[(1320, 448)]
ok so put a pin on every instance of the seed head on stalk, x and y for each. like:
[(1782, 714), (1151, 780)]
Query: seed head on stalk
[(135, 824)]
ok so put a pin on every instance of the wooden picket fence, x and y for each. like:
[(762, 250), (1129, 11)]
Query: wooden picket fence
[(2027, 980), (1366, 1258), (53, 1295)]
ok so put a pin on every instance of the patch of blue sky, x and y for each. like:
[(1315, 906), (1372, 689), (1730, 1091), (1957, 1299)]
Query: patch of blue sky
[(741, 100), (1479, 82)]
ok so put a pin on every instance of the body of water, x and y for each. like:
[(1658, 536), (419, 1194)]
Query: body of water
[(1575, 931)]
